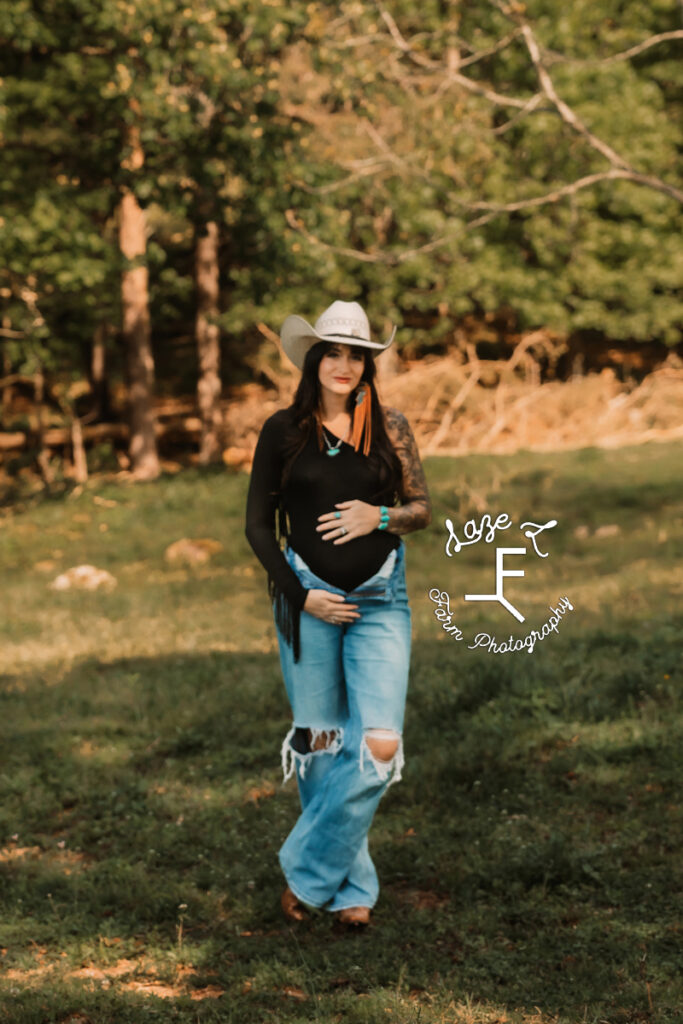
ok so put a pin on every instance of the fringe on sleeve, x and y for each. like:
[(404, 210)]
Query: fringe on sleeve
[(287, 617)]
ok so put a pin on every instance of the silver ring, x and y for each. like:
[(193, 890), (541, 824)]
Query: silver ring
[(344, 531), (335, 622)]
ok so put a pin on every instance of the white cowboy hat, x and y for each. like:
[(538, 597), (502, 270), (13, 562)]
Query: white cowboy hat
[(343, 322)]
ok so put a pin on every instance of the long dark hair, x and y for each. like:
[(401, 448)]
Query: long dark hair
[(306, 406)]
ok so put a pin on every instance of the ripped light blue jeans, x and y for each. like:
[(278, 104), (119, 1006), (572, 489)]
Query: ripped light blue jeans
[(349, 683)]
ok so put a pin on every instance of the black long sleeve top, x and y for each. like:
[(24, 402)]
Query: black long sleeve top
[(316, 483)]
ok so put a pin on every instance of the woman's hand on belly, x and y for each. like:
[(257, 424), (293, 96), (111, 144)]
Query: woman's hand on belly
[(330, 607), (353, 519)]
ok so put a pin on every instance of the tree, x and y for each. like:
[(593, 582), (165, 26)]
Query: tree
[(208, 346), (148, 110), (136, 321), (502, 160)]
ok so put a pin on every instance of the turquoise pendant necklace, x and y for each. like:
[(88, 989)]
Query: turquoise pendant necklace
[(332, 449)]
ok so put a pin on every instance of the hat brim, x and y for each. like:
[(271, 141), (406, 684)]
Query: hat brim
[(297, 336)]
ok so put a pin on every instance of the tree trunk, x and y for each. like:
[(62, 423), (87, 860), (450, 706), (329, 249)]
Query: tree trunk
[(7, 391), (208, 344), (78, 451), (43, 457), (98, 373), (136, 326), (137, 343)]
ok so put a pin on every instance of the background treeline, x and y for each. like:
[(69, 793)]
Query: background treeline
[(177, 178)]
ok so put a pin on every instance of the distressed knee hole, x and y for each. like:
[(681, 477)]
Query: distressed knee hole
[(385, 750), (301, 744), (382, 743), (320, 740)]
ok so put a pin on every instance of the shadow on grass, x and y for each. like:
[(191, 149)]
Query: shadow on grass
[(527, 859)]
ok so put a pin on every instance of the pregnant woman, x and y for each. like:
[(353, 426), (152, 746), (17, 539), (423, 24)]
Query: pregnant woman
[(338, 479)]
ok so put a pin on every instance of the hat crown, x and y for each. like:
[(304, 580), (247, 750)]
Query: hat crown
[(345, 323), (344, 319)]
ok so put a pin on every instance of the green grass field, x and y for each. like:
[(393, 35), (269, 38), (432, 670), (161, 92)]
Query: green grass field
[(530, 858)]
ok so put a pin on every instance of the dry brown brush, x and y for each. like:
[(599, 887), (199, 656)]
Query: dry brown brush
[(458, 404)]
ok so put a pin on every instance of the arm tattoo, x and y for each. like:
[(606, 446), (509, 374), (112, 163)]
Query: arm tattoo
[(415, 512)]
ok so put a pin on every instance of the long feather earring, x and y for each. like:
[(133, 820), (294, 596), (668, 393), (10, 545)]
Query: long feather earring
[(362, 418)]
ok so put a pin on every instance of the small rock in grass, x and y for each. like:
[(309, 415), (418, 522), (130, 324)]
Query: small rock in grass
[(46, 565), (192, 552), (609, 530), (84, 577)]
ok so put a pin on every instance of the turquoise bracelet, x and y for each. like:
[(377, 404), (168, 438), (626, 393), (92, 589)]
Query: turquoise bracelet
[(383, 517)]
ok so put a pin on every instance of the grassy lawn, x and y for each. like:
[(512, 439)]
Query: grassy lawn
[(530, 858)]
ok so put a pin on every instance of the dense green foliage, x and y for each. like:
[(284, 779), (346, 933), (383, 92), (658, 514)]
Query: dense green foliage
[(77, 77), (530, 858), (341, 158), (605, 259)]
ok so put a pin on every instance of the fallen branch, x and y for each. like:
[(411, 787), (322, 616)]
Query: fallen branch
[(59, 437), (456, 402)]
